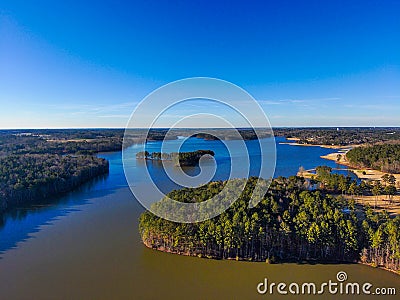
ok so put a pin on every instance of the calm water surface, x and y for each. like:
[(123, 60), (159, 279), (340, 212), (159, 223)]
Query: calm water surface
[(85, 245)]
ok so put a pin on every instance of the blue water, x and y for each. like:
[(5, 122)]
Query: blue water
[(19, 224)]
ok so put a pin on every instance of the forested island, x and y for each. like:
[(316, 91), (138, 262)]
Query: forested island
[(291, 223), (178, 158)]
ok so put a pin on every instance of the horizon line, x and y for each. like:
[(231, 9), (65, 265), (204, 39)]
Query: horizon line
[(278, 127)]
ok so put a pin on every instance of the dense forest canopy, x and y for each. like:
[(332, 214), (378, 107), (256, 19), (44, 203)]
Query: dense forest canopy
[(24, 178), (59, 141), (36, 164), (383, 157), (179, 158), (290, 223)]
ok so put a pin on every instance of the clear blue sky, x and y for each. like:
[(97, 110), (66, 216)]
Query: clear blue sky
[(309, 63)]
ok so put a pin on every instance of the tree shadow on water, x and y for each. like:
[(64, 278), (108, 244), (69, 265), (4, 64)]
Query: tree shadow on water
[(19, 223)]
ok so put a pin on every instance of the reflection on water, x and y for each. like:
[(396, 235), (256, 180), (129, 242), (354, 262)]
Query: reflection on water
[(18, 223)]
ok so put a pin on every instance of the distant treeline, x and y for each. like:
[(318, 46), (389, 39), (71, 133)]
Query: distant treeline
[(90, 141), (179, 158), (230, 134), (25, 178), (34, 142), (340, 136), (212, 134), (88, 133), (383, 157), (36, 164), (94, 140), (289, 224)]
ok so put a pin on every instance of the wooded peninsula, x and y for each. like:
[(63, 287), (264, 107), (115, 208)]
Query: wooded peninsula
[(28, 177), (291, 223), (41, 163), (382, 157)]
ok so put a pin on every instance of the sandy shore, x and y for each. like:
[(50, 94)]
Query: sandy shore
[(340, 158), (322, 146), (366, 174), (381, 202)]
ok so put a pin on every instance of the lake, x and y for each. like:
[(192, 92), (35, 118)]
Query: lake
[(85, 244)]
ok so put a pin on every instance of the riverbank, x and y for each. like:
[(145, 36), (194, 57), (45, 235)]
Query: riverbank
[(379, 267), (312, 262)]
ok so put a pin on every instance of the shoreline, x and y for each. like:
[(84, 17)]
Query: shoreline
[(318, 145), (340, 158), (365, 174), (261, 262), (379, 267)]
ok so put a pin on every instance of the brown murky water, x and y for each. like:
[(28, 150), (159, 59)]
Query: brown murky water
[(96, 253)]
